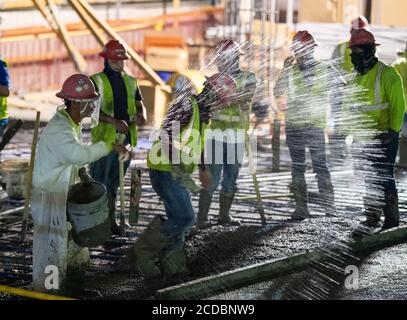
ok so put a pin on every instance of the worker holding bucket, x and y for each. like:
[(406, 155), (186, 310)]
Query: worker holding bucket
[(59, 155)]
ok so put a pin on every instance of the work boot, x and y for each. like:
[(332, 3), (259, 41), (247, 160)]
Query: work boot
[(145, 253), (328, 202), (111, 202), (391, 212), (299, 190), (369, 225), (173, 262), (300, 213), (225, 203), (205, 199), (3, 196), (403, 152), (363, 230)]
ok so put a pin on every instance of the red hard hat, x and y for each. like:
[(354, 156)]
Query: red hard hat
[(360, 23), (230, 46), (362, 37), (305, 38), (114, 50), (78, 87), (224, 86)]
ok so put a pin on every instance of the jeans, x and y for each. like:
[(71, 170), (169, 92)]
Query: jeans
[(178, 206), (298, 140), (2, 129), (381, 191), (106, 171), (228, 157)]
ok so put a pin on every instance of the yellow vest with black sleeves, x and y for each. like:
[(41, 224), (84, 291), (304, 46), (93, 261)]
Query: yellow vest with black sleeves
[(107, 132), (190, 142), (232, 117), (3, 101)]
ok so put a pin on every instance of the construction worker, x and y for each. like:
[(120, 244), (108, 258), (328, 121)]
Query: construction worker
[(121, 111), (401, 67), (341, 54), (382, 112), (342, 61), (60, 154), (305, 82), (4, 118), (231, 124), (171, 160), (4, 93)]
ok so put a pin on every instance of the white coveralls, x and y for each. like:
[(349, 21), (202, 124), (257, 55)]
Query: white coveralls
[(60, 154)]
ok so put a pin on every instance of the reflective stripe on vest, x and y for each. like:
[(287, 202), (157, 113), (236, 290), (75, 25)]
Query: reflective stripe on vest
[(230, 117), (343, 49), (226, 117), (378, 106), (107, 132), (184, 142)]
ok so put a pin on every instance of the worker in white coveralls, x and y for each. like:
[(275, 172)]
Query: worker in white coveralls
[(60, 155)]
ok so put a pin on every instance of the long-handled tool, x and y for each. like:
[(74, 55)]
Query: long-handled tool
[(30, 177), (135, 195), (252, 169), (10, 133), (121, 138)]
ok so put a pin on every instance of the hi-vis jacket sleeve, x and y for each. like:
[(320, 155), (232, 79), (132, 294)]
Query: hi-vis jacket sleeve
[(281, 86), (395, 94), (68, 150)]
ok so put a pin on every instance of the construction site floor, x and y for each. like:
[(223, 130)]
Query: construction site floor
[(212, 250)]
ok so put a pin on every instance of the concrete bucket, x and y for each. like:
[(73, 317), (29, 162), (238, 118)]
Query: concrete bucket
[(88, 212)]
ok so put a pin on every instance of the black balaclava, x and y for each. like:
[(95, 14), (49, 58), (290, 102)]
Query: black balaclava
[(366, 60)]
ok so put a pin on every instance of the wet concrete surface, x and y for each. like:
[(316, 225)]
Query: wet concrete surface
[(218, 249), (382, 276)]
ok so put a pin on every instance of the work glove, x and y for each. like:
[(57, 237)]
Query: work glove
[(387, 138), (84, 176)]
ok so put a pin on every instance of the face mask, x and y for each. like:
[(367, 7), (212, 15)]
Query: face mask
[(364, 61), (87, 110)]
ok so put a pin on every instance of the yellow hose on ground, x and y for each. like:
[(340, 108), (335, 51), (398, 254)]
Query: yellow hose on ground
[(31, 294)]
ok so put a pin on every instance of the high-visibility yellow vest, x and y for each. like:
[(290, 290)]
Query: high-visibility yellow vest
[(190, 143), (107, 132), (384, 97), (401, 67), (3, 101), (307, 105), (232, 117), (343, 51)]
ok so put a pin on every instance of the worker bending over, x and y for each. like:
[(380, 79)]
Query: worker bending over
[(172, 159)]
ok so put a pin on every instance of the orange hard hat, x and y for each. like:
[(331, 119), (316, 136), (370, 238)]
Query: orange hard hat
[(229, 46), (114, 50), (78, 87), (224, 86), (305, 38), (360, 37), (360, 23)]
